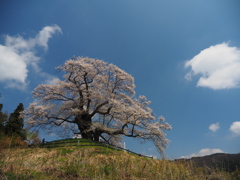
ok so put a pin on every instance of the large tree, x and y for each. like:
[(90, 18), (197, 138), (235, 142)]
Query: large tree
[(95, 99)]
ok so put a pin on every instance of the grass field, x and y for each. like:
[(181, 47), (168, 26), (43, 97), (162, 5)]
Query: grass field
[(97, 162)]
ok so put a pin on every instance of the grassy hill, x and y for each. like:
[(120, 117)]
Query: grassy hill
[(90, 163)]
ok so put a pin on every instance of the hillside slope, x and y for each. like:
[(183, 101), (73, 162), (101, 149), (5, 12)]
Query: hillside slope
[(90, 163)]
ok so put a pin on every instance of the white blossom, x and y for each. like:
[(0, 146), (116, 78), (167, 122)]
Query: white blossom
[(97, 100)]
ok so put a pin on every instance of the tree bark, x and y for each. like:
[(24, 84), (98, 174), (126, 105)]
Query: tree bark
[(84, 123), (96, 137)]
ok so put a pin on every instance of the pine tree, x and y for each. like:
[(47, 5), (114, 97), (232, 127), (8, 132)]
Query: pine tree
[(14, 125), (3, 119)]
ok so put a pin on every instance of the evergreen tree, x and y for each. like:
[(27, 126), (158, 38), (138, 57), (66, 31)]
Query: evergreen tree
[(14, 125), (3, 119)]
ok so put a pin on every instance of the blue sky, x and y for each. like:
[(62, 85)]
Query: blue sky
[(184, 56)]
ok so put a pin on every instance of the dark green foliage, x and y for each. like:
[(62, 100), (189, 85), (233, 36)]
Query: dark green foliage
[(3, 119), (14, 125)]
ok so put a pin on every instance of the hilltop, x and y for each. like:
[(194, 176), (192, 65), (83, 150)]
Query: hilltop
[(90, 163)]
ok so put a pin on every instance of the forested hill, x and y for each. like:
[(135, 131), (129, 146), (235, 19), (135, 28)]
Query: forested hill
[(227, 162)]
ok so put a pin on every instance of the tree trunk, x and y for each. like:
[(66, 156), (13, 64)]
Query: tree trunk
[(96, 136), (84, 124), (87, 135)]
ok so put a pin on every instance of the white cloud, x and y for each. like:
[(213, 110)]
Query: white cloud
[(218, 67), (235, 128), (203, 152), (12, 62), (52, 81), (214, 127), (45, 34), (19, 54)]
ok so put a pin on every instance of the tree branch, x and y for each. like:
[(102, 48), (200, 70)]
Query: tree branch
[(98, 107)]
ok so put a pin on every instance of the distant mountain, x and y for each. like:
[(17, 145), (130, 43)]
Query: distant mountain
[(221, 161)]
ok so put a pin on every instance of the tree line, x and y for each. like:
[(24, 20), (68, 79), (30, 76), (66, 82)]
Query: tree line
[(12, 126)]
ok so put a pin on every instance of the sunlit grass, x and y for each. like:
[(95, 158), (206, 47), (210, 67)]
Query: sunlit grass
[(74, 162)]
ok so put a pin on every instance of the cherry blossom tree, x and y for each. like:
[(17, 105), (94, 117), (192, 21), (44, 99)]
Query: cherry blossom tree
[(96, 100)]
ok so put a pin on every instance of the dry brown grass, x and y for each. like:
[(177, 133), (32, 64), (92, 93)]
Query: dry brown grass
[(92, 163), (8, 142)]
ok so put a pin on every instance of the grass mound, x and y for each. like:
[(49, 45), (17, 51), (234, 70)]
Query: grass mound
[(90, 163)]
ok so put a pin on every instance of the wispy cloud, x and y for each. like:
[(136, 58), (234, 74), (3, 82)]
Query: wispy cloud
[(218, 67), (235, 128), (19, 54), (203, 152), (214, 127)]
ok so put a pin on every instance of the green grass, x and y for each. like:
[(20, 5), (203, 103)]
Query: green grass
[(71, 142), (97, 162)]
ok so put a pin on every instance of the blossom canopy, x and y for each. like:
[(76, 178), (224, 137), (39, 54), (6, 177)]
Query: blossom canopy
[(96, 100)]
